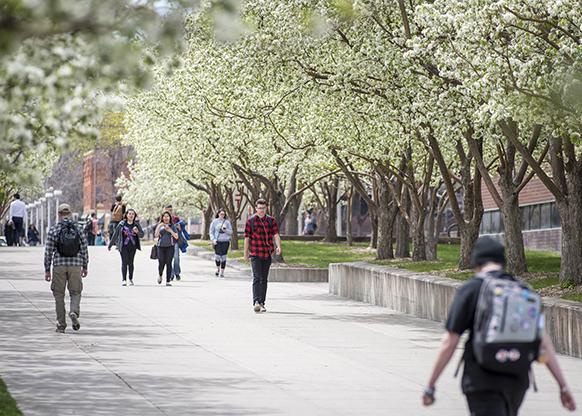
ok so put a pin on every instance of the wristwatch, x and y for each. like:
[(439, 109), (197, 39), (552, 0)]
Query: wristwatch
[(429, 391)]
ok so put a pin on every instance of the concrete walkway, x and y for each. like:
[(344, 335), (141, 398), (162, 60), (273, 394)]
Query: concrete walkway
[(197, 348)]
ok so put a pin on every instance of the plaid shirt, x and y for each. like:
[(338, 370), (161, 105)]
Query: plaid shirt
[(261, 241), (51, 255)]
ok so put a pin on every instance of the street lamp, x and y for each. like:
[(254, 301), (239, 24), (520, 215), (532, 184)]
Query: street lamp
[(48, 196), (57, 193), (43, 231), (36, 205)]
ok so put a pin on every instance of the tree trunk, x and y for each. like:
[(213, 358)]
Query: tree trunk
[(432, 227), (331, 232), (374, 222), (468, 234), (403, 230), (418, 241), (291, 227), (514, 250), (234, 236), (385, 221), (207, 215), (570, 264), (349, 214)]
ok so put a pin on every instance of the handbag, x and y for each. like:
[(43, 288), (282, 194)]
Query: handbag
[(154, 252)]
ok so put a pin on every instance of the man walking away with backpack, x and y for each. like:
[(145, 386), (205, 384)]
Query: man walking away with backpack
[(117, 213), (506, 334), (261, 231), (66, 251)]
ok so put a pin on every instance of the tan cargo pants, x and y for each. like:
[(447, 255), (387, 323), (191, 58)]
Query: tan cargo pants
[(70, 277)]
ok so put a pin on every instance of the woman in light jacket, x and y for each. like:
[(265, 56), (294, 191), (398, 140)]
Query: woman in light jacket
[(220, 232), (126, 236)]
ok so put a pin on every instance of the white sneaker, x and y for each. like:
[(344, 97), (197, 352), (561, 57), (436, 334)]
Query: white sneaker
[(257, 307), (124, 283), (131, 282), (159, 280), (168, 284), (222, 274), (263, 309)]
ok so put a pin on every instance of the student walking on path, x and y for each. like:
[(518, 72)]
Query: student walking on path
[(178, 224), (220, 232), (18, 216), (66, 251), (167, 236), (497, 356), (261, 239), (126, 237)]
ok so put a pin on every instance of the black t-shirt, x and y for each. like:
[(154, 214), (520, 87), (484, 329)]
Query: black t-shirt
[(461, 318)]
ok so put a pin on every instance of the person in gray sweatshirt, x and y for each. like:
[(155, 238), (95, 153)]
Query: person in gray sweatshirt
[(220, 232)]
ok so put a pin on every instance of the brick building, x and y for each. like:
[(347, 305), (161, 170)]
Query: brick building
[(540, 221), (101, 168)]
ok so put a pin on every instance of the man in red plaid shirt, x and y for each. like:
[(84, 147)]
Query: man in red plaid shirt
[(261, 239)]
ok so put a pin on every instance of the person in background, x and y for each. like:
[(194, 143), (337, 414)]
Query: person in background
[(167, 236), (9, 232), (33, 236), (179, 225), (18, 215), (117, 213), (126, 237), (220, 232)]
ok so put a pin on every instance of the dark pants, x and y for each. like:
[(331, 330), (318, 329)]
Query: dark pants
[(260, 268), (165, 258), (127, 256), (90, 239), (492, 403), (18, 229)]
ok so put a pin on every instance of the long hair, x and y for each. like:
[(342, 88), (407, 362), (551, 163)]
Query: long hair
[(219, 211)]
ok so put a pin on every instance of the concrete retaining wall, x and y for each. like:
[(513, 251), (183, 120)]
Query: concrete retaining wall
[(276, 274), (429, 297), (297, 274)]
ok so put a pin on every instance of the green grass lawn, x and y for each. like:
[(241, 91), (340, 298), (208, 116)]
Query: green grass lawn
[(312, 254), (7, 404), (544, 266)]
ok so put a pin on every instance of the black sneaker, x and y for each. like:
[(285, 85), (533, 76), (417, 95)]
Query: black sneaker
[(178, 277), (60, 330), (75, 320), (217, 273)]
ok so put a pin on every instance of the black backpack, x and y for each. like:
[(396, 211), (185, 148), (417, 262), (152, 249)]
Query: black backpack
[(252, 224), (69, 240)]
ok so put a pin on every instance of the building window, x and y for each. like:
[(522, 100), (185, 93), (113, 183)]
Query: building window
[(533, 217)]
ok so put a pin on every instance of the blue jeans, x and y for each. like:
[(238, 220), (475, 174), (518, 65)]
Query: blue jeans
[(176, 270)]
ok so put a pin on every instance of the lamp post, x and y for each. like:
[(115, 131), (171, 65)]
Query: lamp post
[(36, 205), (48, 196), (57, 193), (42, 230)]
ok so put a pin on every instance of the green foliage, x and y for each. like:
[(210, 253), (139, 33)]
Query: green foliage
[(7, 404)]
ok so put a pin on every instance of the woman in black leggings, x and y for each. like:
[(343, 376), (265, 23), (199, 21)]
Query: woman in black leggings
[(126, 236), (167, 236)]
